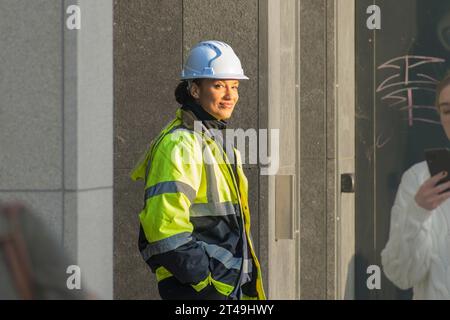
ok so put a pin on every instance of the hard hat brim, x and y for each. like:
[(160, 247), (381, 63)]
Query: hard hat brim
[(217, 77)]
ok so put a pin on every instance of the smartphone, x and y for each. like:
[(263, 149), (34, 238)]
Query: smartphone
[(438, 160)]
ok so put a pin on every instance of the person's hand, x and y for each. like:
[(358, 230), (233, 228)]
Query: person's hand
[(430, 195)]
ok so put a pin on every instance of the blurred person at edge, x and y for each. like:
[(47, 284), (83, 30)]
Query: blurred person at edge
[(195, 225), (32, 264), (417, 254)]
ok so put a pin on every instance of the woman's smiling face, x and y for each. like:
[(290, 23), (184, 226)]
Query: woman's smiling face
[(217, 97), (444, 109)]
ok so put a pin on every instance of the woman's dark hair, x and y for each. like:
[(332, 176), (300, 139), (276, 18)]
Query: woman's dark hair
[(182, 94), (441, 86)]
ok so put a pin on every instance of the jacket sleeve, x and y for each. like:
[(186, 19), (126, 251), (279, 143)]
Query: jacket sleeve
[(172, 185), (407, 255)]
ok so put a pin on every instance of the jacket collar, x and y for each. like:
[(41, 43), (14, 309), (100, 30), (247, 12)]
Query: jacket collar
[(192, 111)]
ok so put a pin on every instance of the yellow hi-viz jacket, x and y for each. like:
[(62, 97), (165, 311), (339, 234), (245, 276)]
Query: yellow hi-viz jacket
[(195, 201)]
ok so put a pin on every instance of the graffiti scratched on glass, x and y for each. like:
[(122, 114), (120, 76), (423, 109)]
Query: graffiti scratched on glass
[(401, 88)]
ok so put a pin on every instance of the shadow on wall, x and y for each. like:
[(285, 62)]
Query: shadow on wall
[(350, 285)]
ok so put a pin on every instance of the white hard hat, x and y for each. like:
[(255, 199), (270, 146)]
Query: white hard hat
[(212, 60)]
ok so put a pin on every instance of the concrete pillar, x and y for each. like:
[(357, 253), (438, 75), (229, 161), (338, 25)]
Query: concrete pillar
[(56, 126), (31, 111), (88, 143), (345, 147)]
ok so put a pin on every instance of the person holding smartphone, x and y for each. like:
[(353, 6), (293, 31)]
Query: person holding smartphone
[(417, 254)]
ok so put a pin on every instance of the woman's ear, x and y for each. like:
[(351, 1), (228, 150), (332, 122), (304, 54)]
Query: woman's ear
[(195, 91)]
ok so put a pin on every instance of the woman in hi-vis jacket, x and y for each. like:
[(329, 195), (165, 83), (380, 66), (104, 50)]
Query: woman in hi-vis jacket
[(195, 225), (417, 254)]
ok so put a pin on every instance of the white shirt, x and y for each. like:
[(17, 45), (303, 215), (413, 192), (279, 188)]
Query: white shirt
[(417, 254)]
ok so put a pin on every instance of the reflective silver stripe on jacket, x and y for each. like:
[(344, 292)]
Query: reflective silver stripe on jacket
[(212, 209), (166, 245), (171, 187)]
